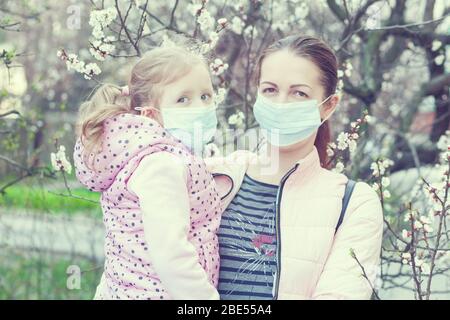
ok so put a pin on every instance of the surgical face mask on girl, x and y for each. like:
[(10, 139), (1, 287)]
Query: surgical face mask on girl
[(193, 126), (285, 124)]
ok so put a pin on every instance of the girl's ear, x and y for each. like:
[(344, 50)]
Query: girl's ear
[(152, 113)]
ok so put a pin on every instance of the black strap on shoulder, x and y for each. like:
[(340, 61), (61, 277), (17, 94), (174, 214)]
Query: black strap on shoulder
[(345, 200)]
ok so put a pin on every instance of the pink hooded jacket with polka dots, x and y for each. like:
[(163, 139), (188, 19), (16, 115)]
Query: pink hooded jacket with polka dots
[(161, 212)]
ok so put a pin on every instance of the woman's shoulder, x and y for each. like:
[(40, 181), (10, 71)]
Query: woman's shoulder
[(365, 203), (364, 200)]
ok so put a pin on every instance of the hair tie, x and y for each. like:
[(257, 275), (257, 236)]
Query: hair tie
[(125, 91)]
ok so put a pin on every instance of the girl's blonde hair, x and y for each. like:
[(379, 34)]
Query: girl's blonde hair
[(156, 68)]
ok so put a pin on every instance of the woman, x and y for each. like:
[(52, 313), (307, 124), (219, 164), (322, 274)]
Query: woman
[(278, 237)]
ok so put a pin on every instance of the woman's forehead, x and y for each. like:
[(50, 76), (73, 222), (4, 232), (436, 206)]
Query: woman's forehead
[(285, 68)]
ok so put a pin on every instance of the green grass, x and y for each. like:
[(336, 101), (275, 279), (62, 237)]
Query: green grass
[(38, 198), (26, 275)]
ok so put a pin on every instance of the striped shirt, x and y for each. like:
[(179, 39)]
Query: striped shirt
[(247, 243)]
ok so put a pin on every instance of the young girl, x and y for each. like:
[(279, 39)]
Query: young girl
[(160, 205)]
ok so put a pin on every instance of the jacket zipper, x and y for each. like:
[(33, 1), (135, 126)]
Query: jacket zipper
[(278, 231)]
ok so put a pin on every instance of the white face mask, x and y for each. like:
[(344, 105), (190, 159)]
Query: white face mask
[(193, 126), (285, 124)]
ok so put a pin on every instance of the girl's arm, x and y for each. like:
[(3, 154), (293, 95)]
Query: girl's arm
[(361, 231), (160, 184)]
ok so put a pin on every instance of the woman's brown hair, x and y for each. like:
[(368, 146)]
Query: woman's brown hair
[(324, 58)]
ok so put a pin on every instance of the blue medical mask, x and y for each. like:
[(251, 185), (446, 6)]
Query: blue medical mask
[(284, 124), (193, 126)]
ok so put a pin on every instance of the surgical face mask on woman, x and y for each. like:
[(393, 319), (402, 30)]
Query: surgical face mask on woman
[(285, 124)]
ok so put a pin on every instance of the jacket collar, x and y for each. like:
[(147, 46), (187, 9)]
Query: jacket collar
[(308, 166), (311, 161), (230, 176)]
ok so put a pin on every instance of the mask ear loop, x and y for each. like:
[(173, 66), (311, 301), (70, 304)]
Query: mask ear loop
[(330, 114)]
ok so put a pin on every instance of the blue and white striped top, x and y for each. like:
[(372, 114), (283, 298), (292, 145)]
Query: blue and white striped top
[(247, 243)]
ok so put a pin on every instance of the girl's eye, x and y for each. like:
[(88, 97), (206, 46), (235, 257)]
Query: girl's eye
[(205, 97), (269, 90), (183, 100)]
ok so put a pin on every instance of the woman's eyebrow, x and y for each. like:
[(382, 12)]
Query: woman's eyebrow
[(292, 86), (300, 85)]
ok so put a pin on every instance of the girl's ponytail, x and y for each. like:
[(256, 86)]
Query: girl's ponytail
[(106, 102)]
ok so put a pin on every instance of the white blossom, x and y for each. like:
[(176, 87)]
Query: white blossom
[(59, 160), (194, 8), (417, 225), (330, 152), (237, 25), (92, 69), (206, 21), (444, 141), (220, 95), (222, 22), (408, 216), (369, 119), (406, 257), (100, 19), (213, 39), (422, 265), (339, 167), (386, 163), (405, 234), (218, 67), (99, 49), (342, 140), (301, 11), (439, 60), (436, 45), (352, 146), (385, 181), (425, 220), (236, 119), (251, 31)]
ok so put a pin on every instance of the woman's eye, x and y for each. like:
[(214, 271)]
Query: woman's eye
[(269, 90), (205, 97), (182, 100), (300, 94)]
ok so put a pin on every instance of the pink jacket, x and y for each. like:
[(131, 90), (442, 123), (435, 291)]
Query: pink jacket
[(314, 263), (161, 212)]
